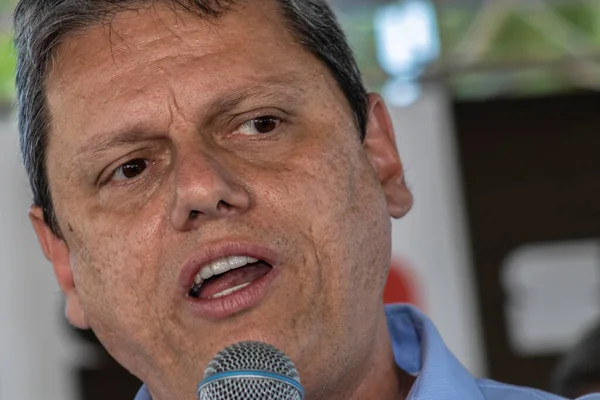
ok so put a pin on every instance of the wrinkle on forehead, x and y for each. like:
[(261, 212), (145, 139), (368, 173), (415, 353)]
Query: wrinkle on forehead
[(119, 57), (165, 23)]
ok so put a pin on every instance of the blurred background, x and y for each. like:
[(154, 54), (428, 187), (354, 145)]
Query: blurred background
[(495, 106)]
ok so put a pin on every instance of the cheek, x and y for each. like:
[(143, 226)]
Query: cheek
[(108, 281), (118, 248), (118, 282), (115, 271), (338, 206)]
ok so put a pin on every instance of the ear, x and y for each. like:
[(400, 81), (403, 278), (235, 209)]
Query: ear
[(57, 252), (380, 146)]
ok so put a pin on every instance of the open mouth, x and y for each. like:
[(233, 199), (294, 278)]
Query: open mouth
[(226, 276)]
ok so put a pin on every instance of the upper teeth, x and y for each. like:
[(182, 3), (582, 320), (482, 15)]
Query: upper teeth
[(221, 266)]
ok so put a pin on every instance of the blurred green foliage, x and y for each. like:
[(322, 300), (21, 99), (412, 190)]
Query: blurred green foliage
[(7, 56), (517, 38), (7, 69), (360, 30), (520, 42), (6, 6)]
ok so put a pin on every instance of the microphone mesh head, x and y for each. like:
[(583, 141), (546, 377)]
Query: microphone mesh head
[(247, 357)]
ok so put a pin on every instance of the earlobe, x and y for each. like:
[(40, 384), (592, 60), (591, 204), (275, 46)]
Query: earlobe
[(57, 252), (380, 146), (75, 313)]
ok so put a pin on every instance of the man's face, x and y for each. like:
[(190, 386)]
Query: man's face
[(175, 142)]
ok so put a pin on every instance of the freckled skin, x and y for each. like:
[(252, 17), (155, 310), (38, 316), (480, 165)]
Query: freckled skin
[(310, 190)]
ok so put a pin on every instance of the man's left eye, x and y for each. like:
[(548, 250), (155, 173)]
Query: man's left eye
[(260, 126), (131, 169)]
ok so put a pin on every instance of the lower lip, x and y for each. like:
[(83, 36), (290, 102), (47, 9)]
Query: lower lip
[(234, 303)]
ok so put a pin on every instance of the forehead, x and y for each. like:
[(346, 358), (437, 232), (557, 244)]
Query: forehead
[(143, 54), (146, 34)]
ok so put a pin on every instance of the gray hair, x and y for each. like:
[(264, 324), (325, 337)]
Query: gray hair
[(41, 25)]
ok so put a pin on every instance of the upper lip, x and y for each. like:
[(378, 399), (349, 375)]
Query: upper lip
[(219, 250)]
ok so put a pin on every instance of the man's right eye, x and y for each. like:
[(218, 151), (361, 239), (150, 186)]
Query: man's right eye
[(130, 169)]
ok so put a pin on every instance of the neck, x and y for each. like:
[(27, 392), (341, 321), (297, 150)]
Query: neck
[(376, 376), (379, 378)]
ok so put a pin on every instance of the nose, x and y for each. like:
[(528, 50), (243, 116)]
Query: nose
[(205, 190)]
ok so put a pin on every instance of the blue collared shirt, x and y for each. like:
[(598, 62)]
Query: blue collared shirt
[(420, 351)]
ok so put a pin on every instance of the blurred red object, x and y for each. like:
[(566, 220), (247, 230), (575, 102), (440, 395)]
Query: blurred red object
[(402, 285)]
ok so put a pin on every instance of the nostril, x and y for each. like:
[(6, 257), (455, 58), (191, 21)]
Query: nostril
[(194, 214), (224, 206)]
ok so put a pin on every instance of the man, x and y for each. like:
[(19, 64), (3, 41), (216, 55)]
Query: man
[(578, 372), (206, 172)]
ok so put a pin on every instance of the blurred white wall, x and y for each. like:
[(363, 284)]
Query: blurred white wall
[(37, 352), (433, 237)]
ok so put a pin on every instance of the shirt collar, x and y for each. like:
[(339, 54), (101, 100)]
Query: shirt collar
[(143, 394), (419, 350)]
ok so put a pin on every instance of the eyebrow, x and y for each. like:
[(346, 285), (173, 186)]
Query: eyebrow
[(96, 145), (222, 104), (276, 90)]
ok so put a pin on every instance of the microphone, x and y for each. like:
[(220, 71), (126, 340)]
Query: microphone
[(250, 371)]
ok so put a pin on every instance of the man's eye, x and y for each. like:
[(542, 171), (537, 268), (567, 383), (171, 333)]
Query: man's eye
[(260, 126), (131, 169)]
